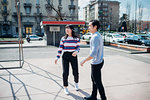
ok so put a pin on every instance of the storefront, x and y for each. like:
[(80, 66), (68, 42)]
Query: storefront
[(54, 30)]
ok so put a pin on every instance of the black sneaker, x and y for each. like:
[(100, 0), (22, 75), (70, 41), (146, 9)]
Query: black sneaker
[(90, 98)]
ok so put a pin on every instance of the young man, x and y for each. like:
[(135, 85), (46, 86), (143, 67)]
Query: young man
[(96, 55)]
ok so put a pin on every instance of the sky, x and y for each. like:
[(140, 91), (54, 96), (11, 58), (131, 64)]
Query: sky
[(123, 4)]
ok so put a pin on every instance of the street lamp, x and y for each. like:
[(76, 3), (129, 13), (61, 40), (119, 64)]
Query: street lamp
[(135, 16)]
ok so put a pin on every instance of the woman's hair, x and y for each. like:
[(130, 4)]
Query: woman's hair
[(74, 35)]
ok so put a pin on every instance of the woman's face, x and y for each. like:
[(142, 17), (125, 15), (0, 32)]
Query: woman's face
[(68, 31)]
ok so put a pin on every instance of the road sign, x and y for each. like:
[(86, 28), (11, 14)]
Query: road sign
[(54, 28)]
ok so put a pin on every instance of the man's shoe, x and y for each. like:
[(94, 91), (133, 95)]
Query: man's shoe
[(90, 98)]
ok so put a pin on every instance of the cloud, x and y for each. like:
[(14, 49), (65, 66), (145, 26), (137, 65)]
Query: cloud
[(146, 14)]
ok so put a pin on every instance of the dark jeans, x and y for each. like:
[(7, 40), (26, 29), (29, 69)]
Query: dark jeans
[(97, 80), (66, 59)]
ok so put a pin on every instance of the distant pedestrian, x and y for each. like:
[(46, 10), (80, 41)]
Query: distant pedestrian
[(70, 46), (96, 55)]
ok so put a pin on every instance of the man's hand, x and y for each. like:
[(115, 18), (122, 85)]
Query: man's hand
[(56, 61), (85, 60), (74, 53), (82, 62)]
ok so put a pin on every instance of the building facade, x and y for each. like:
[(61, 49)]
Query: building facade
[(107, 12), (32, 13)]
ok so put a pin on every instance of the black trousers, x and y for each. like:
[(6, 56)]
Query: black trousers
[(97, 81), (66, 59)]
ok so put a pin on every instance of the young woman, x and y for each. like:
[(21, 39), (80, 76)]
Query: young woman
[(70, 46)]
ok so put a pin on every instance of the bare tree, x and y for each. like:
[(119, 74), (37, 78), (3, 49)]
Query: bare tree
[(140, 15), (49, 7), (128, 11)]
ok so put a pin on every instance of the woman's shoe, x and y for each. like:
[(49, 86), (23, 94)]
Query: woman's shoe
[(66, 91), (76, 86)]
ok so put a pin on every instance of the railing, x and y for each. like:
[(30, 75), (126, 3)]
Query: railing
[(4, 2), (71, 6)]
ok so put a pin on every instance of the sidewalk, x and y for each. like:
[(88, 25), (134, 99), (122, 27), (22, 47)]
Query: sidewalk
[(40, 79), (26, 44)]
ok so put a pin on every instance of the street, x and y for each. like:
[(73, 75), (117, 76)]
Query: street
[(126, 76)]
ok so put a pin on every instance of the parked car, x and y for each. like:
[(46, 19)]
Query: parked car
[(34, 37), (87, 36), (148, 34), (15, 35), (139, 40), (114, 38), (126, 34)]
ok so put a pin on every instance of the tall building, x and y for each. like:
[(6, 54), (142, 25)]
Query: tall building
[(32, 13), (107, 12)]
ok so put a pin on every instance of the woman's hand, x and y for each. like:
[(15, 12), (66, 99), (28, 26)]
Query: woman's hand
[(74, 53), (56, 61)]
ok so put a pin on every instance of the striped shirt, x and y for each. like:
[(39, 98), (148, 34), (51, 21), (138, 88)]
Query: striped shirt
[(68, 45)]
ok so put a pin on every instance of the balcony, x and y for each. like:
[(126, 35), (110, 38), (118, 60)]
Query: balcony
[(5, 13), (27, 5), (38, 14), (15, 14), (6, 22), (60, 7), (48, 6), (4, 3), (71, 6), (37, 5)]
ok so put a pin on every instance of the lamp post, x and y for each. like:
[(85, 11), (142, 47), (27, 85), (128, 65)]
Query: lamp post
[(135, 16)]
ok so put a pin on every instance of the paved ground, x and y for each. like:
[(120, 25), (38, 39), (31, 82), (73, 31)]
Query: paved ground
[(126, 76)]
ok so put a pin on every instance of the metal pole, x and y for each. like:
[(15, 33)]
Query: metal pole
[(135, 16), (54, 38), (19, 28)]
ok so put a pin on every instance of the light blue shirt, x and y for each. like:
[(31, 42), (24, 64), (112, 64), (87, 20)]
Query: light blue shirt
[(96, 48)]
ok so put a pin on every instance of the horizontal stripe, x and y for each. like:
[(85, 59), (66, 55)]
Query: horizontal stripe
[(58, 56), (70, 42), (69, 47), (61, 45), (60, 52)]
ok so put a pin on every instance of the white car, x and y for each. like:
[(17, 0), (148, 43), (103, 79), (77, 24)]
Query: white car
[(87, 36), (114, 38), (34, 37)]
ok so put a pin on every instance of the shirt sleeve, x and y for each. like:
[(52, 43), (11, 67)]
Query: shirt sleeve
[(60, 49), (94, 47), (78, 45)]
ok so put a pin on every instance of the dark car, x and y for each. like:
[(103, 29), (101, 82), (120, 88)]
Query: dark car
[(138, 39)]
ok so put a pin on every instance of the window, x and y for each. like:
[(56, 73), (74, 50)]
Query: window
[(105, 4), (4, 1), (135, 37), (37, 1), (48, 1), (28, 10), (38, 10), (16, 29), (5, 9), (60, 2), (28, 30), (71, 2), (27, 1)]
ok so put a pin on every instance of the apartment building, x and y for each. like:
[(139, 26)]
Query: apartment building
[(32, 13), (107, 12)]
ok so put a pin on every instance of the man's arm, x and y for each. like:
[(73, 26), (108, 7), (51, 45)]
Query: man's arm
[(93, 51), (85, 60)]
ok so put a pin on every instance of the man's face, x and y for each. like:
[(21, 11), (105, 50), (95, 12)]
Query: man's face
[(91, 28)]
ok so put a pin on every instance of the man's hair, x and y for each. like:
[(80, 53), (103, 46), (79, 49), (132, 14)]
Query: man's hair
[(95, 23)]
